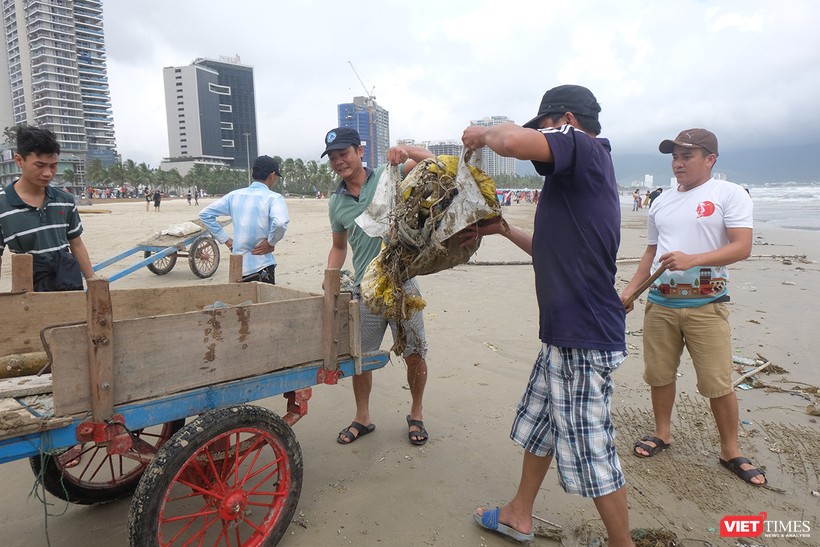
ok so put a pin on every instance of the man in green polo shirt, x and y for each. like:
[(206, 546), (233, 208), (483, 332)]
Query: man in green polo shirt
[(43, 221), (344, 150)]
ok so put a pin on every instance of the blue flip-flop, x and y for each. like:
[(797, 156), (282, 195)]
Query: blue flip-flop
[(489, 521)]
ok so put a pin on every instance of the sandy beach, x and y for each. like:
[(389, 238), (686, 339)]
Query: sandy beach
[(481, 322)]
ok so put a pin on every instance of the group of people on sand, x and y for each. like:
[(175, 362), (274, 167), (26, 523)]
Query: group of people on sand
[(640, 202), (695, 231), (700, 226)]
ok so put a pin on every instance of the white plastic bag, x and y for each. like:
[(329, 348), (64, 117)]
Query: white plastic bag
[(375, 219)]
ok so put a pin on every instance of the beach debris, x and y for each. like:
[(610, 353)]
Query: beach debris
[(347, 281), (812, 410), (786, 261), (440, 197), (761, 364), (545, 521), (492, 346), (653, 537), (744, 361), (815, 493), (22, 364), (788, 283), (554, 534)]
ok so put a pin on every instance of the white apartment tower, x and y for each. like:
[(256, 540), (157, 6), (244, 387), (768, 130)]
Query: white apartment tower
[(492, 163), (57, 76)]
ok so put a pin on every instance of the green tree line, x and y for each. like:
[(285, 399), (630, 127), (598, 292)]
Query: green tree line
[(298, 177)]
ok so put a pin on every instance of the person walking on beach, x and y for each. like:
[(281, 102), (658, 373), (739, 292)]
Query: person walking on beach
[(355, 191), (654, 195), (189, 197), (565, 410), (157, 200), (260, 220), (636, 200), (694, 230), (40, 220), (147, 199), (196, 196)]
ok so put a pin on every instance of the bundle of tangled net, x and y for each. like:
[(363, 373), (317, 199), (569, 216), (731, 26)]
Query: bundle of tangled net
[(420, 241)]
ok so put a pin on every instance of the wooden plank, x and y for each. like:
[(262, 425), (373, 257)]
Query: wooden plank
[(34, 311), (25, 385), (156, 356), (330, 317), (235, 268), (100, 329), (16, 420), (271, 293), (13, 417), (22, 272)]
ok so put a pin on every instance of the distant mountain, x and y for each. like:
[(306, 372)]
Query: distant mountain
[(747, 167)]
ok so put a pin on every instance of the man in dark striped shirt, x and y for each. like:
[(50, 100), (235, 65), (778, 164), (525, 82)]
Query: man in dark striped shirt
[(38, 219)]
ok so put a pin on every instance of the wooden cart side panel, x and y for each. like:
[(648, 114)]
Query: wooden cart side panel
[(271, 293), (33, 311), (157, 356)]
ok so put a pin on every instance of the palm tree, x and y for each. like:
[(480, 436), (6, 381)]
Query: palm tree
[(95, 171)]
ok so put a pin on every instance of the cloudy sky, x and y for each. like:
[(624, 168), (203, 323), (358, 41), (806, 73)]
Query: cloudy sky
[(749, 70)]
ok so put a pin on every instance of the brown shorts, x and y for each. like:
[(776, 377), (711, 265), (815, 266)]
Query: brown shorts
[(705, 333)]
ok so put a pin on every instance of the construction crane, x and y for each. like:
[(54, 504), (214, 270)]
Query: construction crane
[(370, 101)]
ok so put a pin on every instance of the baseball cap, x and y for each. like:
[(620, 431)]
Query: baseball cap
[(566, 98), (340, 138), (691, 138), (263, 166)]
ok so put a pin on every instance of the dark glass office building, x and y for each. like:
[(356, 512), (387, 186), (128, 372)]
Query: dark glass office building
[(373, 123)]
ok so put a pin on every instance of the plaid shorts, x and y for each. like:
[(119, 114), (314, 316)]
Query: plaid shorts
[(375, 325), (565, 412)]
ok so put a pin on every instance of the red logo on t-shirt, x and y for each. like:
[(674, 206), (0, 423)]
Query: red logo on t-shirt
[(705, 209)]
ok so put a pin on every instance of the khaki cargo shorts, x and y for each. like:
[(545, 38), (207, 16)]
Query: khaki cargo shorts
[(705, 333)]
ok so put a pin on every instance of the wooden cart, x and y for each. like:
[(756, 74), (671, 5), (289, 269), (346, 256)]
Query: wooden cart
[(129, 367)]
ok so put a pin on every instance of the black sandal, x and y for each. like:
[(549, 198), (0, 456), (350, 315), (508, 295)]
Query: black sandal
[(652, 450), (421, 435), (347, 434)]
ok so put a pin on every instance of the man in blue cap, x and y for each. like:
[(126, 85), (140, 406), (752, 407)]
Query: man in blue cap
[(343, 147)]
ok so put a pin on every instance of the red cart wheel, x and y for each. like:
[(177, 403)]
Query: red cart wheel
[(231, 477), (87, 474), (203, 257)]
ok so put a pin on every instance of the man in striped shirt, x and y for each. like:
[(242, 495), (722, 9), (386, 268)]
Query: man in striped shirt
[(43, 221), (260, 219)]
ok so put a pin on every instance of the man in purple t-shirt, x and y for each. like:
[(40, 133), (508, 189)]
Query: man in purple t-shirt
[(564, 412)]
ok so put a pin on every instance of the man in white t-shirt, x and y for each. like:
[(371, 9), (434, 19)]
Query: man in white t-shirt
[(695, 230)]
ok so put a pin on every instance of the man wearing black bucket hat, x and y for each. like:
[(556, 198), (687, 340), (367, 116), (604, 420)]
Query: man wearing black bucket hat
[(259, 217), (565, 410)]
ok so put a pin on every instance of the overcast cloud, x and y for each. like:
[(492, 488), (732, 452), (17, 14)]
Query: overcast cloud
[(748, 70)]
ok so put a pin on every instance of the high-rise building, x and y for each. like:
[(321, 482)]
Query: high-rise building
[(210, 107), (55, 76), (492, 163), (445, 148), (373, 124)]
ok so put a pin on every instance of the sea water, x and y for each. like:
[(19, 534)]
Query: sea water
[(790, 205), (787, 205)]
